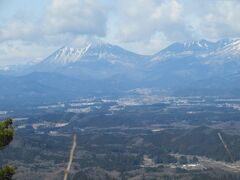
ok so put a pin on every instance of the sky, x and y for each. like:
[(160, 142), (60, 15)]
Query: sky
[(30, 30)]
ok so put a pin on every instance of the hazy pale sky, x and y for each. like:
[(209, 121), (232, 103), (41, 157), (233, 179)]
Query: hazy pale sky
[(31, 29)]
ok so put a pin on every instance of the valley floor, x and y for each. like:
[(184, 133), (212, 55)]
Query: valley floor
[(148, 137)]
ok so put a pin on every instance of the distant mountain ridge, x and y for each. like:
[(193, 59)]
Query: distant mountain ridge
[(95, 50), (190, 68), (100, 56), (95, 57), (203, 48), (91, 51)]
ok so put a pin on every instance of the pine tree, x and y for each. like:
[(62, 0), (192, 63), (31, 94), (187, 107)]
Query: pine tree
[(6, 136)]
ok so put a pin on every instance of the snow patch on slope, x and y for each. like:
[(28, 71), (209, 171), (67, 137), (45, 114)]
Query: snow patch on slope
[(67, 55)]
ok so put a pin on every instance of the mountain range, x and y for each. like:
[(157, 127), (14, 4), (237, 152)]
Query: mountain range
[(99, 68)]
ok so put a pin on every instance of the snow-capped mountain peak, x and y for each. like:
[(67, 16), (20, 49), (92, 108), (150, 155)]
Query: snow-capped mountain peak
[(193, 46), (234, 46), (91, 51), (66, 55), (201, 44), (219, 52), (230, 49)]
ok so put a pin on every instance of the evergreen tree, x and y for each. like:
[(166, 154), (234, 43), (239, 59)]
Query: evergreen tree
[(6, 136)]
